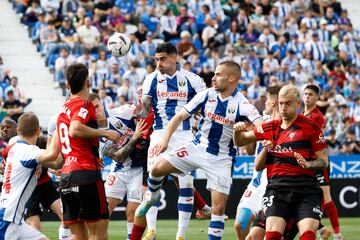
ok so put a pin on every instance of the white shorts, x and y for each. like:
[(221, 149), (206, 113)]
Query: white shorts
[(129, 183), (18, 232), (251, 199), (217, 169), (178, 138)]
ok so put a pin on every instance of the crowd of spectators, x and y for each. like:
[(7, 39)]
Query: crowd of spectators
[(275, 42)]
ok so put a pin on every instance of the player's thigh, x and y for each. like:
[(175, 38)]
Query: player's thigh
[(308, 207), (29, 233), (243, 219), (251, 199), (134, 190), (50, 196), (113, 202), (115, 185), (218, 172), (34, 221), (181, 160), (56, 208)]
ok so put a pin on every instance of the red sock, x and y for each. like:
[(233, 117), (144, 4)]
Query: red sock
[(308, 235), (198, 200), (137, 232), (273, 235), (333, 216)]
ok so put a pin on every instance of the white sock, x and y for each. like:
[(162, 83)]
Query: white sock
[(151, 217), (216, 227), (64, 233), (129, 229), (185, 203)]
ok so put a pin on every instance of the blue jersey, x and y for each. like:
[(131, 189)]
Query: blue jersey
[(122, 120), (218, 117), (170, 94)]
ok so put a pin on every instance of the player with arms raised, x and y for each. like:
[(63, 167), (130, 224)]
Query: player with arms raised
[(212, 149)]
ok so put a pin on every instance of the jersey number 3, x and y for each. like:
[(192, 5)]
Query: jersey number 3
[(64, 138)]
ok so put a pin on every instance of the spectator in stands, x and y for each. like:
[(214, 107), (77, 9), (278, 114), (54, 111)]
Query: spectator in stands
[(333, 144), (79, 19), (30, 16), (141, 32), (279, 48), (70, 7), (250, 35), (255, 89), (300, 75), (267, 37), (290, 59), (247, 74), (151, 21), (242, 20), (50, 5), (259, 103), (241, 47), (276, 22), (126, 94), (12, 106), (257, 18), (206, 74), (339, 75), (49, 39), (168, 27), (185, 46), (105, 99), (127, 8), (185, 22), (283, 75), (324, 34), (148, 47), (348, 48), (103, 9), (69, 38), (19, 94), (134, 76), (357, 127), (354, 143), (89, 36), (61, 63), (113, 80)]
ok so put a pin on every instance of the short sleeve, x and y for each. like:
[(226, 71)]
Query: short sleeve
[(248, 110), (52, 125), (125, 111), (317, 140), (198, 100), (264, 132), (83, 113), (31, 160), (198, 84), (148, 86)]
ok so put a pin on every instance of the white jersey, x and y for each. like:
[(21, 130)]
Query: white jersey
[(218, 117), (170, 94), (122, 120), (21, 172)]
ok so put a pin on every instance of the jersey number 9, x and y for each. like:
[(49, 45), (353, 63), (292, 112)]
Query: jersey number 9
[(64, 138)]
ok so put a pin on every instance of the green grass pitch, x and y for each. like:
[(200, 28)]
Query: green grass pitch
[(198, 229)]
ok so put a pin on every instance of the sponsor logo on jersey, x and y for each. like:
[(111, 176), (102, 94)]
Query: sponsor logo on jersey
[(124, 137), (219, 119), (182, 83), (280, 149), (118, 125), (173, 95), (83, 113)]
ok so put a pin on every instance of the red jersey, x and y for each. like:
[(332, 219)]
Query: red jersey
[(283, 171), (81, 155), (317, 117)]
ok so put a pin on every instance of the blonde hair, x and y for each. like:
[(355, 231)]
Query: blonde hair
[(290, 89)]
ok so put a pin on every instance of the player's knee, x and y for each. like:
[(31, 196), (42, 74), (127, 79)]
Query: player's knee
[(244, 218), (155, 171), (218, 209)]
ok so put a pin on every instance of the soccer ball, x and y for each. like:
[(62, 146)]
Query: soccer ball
[(119, 44)]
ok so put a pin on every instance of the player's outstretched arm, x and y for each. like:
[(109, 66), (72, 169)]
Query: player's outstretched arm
[(321, 161), (242, 138), (146, 102), (123, 153), (51, 157), (171, 128), (78, 129), (261, 157)]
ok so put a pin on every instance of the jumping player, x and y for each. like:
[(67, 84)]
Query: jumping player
[(212, 148), (166, 91)]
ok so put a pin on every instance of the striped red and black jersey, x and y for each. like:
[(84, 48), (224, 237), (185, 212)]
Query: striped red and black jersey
[(81, 155), (302, 136), (317, 117)]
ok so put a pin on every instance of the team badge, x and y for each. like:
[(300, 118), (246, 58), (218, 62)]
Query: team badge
[(182, 83), (118, 125), (292, 134), (231, 110)]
